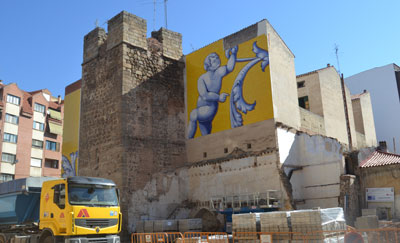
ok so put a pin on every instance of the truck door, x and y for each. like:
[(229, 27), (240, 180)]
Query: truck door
[(59, 212)]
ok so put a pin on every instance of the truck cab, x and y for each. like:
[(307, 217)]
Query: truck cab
[(79, 209)]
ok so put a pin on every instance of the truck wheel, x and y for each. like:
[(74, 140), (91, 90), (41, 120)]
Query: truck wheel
[(2, 238), (48, 239)]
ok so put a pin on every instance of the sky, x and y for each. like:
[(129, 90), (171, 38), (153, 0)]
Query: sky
[(41, 41)]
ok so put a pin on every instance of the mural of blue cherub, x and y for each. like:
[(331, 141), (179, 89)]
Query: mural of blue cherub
[(209, 87)]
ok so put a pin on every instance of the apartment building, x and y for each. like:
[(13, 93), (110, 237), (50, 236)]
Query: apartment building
[(323, 110), (31, 132), (384, 84)]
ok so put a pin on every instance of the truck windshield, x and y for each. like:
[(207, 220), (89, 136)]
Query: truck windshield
[(92, 195)]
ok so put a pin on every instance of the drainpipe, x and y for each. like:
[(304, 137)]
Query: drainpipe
[(346, 113)]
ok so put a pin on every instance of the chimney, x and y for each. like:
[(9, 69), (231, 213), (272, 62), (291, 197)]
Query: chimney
[(382, 146), (59, 99), (328, 65)]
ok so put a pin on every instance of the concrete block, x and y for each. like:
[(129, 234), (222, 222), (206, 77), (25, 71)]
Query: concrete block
[(368, 211), (367, 222), (190, 225), (149, 226)]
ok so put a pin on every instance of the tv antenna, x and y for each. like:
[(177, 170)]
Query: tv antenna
[(336, 48), (154, 15), (165, 14)]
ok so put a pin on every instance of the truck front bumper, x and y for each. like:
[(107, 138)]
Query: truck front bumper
[(105, 239)]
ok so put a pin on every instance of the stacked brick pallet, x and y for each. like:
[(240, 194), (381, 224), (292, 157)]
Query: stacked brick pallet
[(245, 225), (276, 222), (293, 226), (313, 223)]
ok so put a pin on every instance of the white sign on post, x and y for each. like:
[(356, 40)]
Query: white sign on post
[(265, 238), (383, 194)]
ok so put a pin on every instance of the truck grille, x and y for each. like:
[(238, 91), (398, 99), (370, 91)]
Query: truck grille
[(97, 240), (93, 223)]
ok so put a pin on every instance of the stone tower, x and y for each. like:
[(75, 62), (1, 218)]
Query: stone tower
[(132, 107)]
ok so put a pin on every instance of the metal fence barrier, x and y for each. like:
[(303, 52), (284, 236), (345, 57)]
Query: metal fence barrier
[(385, 235), (160, 237), (206, 237)]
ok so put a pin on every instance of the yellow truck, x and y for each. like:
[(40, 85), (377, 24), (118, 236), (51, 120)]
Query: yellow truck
[(54, 210)]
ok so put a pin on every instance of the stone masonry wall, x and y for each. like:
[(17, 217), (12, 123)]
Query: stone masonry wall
[(132, 106)]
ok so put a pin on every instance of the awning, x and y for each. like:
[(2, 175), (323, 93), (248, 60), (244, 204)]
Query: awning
[(55, 128), (55, 114)]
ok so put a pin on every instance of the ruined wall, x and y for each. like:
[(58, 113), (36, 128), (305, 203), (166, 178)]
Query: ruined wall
[(349, 197), (254, 137), (314, 165), (131, 125), (165, 196), (247, 175)]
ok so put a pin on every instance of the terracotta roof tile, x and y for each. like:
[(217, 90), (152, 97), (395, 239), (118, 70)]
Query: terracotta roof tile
[(379, 158)]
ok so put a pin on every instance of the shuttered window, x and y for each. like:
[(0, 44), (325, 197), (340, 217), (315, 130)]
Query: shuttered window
[(37, 144), (35, 162)]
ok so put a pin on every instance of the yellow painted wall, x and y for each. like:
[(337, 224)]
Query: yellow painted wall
[(256, 87), (71, 129)]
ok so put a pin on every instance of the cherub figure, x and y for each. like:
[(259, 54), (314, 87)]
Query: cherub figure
[(209, 86)]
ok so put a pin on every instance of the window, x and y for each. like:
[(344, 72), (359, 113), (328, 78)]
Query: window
[(39, 108), (10, 158), (13, 99), (54, 146), (36, 162), (37, 144), (6, 177), (38, 126), (303, 102), (11, 119), (301, 84), (51, 163), (59, 195), (11, 138)]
